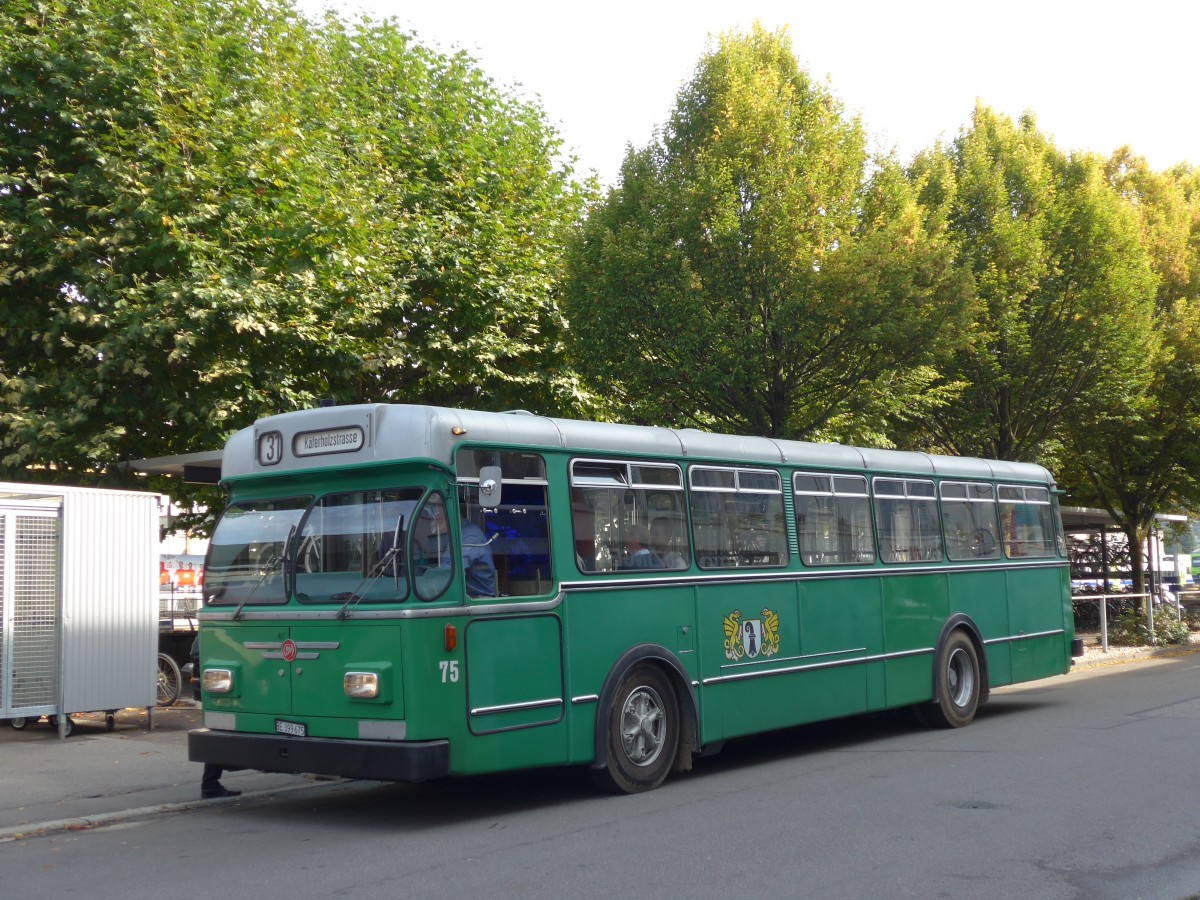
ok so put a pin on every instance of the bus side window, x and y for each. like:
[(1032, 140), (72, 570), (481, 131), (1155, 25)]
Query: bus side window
[(583, 522), (1027, 521), (833, 519), (969, 520), (517, 531), (627, 516), (907, 520), (737, 517), (432, 551)]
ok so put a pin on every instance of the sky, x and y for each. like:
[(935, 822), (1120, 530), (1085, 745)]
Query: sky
[(1097, 74)]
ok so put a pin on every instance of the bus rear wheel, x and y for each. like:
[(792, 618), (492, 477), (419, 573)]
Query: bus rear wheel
[(643, 732), (958, 684)]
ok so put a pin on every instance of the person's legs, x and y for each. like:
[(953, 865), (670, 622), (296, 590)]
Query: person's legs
[(210, 783)]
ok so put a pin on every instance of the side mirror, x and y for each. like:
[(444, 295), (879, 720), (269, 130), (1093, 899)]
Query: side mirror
[(489, 487)]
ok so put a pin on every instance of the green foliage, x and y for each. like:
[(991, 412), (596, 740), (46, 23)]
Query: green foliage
[(1130, 629), (218, 210), (752, 273), (1065, 288), (1140, 454)]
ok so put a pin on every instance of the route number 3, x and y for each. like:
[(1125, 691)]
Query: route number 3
[(449, 669)]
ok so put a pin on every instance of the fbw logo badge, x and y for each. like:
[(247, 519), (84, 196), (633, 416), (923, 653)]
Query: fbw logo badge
[(751, 638)]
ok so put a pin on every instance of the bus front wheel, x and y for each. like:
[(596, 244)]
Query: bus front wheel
[(643, 732), (958, 684)]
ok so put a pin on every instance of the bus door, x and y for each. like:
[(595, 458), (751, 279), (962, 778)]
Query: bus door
[(514, 660), (747, 609), (839, 599)]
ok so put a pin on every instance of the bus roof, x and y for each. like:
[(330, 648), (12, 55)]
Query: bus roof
[(315, 439)]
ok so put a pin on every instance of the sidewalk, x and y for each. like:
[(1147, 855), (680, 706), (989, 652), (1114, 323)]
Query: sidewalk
[(95, 776), (1095, 656)]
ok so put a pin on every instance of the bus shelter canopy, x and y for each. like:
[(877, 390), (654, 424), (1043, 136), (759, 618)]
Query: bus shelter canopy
[(203, 467)]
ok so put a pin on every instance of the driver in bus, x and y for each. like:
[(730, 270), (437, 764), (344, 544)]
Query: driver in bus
[(479, 569), (478, 566)]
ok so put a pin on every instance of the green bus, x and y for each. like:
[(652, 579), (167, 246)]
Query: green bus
[(400, 592)]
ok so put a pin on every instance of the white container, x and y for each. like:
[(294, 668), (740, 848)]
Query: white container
[(78, 600)]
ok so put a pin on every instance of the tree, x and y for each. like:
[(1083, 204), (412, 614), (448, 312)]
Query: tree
[(219, 210), (1141, 455), (1063, 283), (754, 271), (469, 214)]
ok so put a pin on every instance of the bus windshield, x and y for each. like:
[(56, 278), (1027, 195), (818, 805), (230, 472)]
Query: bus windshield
[(352, 546), (246, 554)]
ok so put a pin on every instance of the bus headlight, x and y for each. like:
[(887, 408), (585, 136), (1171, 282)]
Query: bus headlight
[(361, 685), (217, 681)]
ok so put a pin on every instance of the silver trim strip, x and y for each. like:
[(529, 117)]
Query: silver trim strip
[(779, 659), (1025, 637), (832, 664), (292, 614), (272, 649), (586, 698), (606, 584), (513, 707), (776, 574), (760, 672)]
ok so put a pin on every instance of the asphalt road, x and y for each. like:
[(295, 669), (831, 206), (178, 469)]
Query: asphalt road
[(1083, 786)]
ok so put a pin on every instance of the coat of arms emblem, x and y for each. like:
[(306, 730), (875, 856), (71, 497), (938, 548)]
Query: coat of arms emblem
[(751, 638)]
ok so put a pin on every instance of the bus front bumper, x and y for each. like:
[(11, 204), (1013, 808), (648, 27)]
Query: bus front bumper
[(372, 760)]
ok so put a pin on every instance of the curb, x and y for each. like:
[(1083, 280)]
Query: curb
[(81, 823)]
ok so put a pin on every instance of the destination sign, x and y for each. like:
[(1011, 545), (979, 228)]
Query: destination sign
[(329, 440)]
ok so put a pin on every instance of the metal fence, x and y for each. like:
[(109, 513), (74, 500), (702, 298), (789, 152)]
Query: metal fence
[(1096, 610)]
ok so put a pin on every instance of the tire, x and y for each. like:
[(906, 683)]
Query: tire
[(19, 723), (642, 728), (957, 682), (169, 680)]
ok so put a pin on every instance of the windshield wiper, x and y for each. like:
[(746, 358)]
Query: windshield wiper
[(268, 568), (374, 572), (354, 596)]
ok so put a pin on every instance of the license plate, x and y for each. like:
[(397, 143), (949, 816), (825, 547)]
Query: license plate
[(297, 729)]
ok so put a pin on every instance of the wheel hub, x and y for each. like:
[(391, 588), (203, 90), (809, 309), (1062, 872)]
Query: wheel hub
[(642, 726)]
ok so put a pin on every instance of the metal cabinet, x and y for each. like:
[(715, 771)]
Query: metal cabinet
[(78, 600)]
